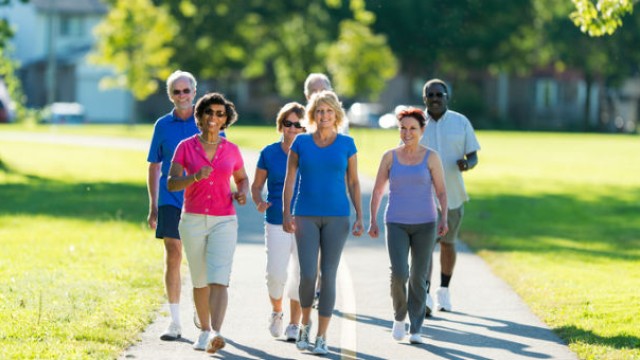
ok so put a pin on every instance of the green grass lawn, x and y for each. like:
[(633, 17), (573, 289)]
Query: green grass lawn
[(555, 215)]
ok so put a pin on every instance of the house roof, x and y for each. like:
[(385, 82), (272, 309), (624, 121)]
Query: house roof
[(71, 6)]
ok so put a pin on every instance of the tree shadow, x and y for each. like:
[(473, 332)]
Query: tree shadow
[(576, 334)]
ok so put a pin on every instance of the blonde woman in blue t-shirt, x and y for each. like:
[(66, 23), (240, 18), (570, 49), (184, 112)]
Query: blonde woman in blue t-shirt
[(411, 219), (327, 164)]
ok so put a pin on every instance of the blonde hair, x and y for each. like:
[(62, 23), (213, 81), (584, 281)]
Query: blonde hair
[(328, 98)]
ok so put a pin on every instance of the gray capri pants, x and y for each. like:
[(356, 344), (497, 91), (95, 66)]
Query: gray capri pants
[(420, 240), (325, 236)]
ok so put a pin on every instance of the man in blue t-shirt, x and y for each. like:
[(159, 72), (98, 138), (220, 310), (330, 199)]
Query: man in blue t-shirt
[(165, 206)]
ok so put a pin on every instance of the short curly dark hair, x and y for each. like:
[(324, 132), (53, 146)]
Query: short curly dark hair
[(215, 98)]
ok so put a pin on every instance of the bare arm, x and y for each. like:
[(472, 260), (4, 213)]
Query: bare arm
[(178, 181), (153, 184), (287, 193), (469, 163), (353, 184), (242, 185), (259, 178), (437, 175), (378, 191)]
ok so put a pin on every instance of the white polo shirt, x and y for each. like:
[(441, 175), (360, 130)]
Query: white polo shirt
[(452, 137)]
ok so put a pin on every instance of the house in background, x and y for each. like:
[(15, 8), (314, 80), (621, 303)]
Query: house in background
[(51, 43)]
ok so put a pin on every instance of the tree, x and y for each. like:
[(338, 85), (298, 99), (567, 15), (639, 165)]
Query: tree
[(602, 17), (135, 39)]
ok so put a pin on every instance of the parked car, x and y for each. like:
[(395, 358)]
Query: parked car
[(389, 120), (364, 114), (64, 113)]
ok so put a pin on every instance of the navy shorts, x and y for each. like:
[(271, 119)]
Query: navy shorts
[(168, 220)]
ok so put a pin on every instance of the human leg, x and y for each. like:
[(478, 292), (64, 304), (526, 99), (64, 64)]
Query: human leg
[(448, 257), (167, 229), (397, 241), (422, 240)]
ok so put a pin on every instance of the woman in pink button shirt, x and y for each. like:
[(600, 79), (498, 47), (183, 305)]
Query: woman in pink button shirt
[(202, 165)]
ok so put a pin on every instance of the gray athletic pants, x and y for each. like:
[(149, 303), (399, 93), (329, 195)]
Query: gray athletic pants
[(419, 239), (325, 236)]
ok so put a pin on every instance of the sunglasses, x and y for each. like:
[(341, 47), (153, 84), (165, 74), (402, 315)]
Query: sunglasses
[(287, 123), (439, 95), (218, 113), (183, 91)]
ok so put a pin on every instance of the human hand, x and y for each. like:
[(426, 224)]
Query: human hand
[(443, 227), (204, 172), (373, 230), (463, 165), (263, 206), (240, 197), (152, 219), (288, 224), (357, 229)]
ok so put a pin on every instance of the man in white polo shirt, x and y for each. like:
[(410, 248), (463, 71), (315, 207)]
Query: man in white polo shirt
[(451, 135)]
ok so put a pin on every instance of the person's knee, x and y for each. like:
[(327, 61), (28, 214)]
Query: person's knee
[(399, 278), (448, 247)]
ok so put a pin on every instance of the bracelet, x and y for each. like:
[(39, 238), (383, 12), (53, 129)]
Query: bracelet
[(195, 177)]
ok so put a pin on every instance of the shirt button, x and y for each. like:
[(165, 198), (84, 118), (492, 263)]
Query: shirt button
[(210, 182), (208, 196), (206, 210)]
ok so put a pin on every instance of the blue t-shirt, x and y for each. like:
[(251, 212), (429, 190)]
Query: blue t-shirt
[(168, 131), (323, 190), (274, 160)]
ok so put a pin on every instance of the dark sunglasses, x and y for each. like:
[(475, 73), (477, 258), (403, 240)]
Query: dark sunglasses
[(439, 95), (184, 91), (287, 123), (218, 113)]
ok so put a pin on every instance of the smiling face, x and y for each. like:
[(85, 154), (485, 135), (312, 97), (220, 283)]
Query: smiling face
[(324, 116), (213, 119), (410, 130), (182, 94), (436, 99), (291, 131)]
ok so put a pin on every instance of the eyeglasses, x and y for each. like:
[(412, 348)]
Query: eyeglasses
[(218, 113), (186, 91), (287, 123), (439, 95)]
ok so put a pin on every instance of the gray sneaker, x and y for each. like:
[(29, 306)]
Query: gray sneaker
[(321, 346), (201, 343), (302, 343), (292, 332)]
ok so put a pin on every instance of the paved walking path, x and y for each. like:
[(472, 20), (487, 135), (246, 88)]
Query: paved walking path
[(489, 320)]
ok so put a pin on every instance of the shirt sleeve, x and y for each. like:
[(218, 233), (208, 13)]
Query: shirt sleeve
[(351, 147), (239, 164), (262, 163), (155, 153), (471, 142), (179, 155)]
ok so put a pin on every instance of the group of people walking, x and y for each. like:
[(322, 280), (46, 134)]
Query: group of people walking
[(312, 183)]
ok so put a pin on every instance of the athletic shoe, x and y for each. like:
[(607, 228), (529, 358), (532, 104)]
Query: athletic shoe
[(173, 332), (215, 343), (321, 346), (292, 332), (201, 343), (275, 324), (429, 306), (444, 300), (398, 332), (302, 343), (416, 339)]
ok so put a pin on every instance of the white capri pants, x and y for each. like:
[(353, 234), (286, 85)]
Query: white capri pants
[(282, 262), (209, 243)]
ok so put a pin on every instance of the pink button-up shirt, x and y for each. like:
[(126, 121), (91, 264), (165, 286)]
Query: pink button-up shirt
[(212, 195)]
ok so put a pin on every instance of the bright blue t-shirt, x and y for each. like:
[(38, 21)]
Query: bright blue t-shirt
[(168, 131), (274, 160), (323, 190)]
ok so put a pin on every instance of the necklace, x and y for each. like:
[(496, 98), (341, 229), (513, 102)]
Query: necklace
[(209, 142)]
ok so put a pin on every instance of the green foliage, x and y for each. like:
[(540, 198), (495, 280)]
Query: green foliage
[(603, 17), (135, 40), (360, 61)]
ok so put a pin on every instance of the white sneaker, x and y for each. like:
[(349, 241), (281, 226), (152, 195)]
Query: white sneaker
[(321, 346), (203, 339), (292, 332), (399, 331), (429, 306), (215, 343), (444, 300), (173, 332), (275, 324), (416, 339), (302, 343)]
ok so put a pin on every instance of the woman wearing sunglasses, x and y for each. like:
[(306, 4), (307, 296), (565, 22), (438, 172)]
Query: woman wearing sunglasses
[(327, 164), (208, 224), (282, 251)]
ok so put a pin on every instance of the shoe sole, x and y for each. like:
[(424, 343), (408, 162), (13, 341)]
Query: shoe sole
[(170, 338), (216, 344)]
